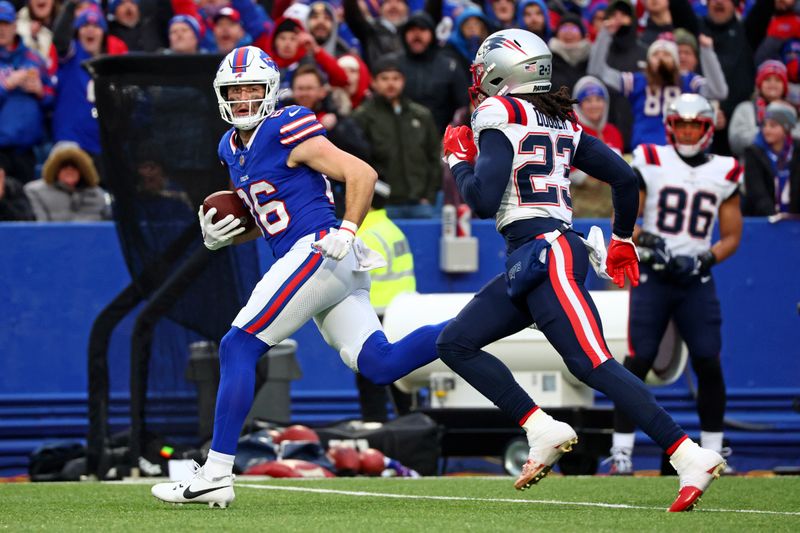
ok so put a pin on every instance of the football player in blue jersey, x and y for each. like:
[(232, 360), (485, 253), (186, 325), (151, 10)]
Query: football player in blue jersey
[(683, 191), (279, 163), (514, 167)]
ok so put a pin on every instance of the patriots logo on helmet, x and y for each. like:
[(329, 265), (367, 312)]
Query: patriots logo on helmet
[(499, 41)]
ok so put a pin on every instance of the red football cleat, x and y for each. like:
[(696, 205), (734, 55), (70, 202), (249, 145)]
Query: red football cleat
[(697, 467)]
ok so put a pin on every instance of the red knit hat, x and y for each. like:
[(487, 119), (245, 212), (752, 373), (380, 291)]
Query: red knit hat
[(771, 67)]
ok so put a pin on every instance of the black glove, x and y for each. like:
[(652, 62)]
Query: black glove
[(682, 268), (706, 260), (653, 251)]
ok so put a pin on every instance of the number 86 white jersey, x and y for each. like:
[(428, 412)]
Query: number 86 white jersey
[(682, 202), (543, 150)]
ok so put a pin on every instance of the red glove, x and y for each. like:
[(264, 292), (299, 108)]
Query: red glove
[(622, 260), (459, 142)]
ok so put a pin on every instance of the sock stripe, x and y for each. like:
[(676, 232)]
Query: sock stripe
[(528, 415), (677, 443)]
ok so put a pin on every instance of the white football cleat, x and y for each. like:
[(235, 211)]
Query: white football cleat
[(697, 467), (548, 444), (198, 489), (621, 462)]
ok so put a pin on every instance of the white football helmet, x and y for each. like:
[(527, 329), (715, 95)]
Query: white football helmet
[(511, 62), (690, 108), (247, 65)]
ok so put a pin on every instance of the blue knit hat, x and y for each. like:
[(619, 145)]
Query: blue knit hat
[(7, 12), (188, 20), (91, 16)]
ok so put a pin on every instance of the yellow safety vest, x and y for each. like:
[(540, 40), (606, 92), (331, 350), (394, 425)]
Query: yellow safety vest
[(383, 236)]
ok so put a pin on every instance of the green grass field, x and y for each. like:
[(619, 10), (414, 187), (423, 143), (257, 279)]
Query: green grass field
[(430, 504)]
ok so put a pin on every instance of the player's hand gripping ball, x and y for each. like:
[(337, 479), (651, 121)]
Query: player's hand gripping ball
[(222, 217)]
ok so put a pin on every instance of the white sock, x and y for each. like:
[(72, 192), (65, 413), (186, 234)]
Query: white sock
[(711, 440), (218, 465), (624, 441), (535, 422)]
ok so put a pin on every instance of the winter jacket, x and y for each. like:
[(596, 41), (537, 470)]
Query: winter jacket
[(406, 147), (377, 37), (14, 204), (41, 43), (435, 80), (22, 113), (759, 182), (569, 62)]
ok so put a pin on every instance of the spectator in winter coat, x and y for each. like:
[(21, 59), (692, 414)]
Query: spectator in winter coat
[(406, 146), (68, 190), (379, 36), (139, 31), (533, 15), (570, 49), (321, 23), (625, 54), (434, 78), (14, 204), (596, 17), (659, 20), (501, 13), (784, 26), (687, 50), (734, 43), (34, 26), (358, 79), (772, 165), (26, 92), (591, 197), (470, 29), (75, 117), (184, 35), (771, 86)]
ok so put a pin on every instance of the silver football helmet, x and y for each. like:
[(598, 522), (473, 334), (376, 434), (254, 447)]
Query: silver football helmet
[(690, 108), (511, 62)]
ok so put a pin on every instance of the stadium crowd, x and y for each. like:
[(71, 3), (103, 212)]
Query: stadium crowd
[(386, 78)]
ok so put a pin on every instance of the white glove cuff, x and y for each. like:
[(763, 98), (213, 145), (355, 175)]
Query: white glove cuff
[(349, 226), (452, 160), (627, 239)]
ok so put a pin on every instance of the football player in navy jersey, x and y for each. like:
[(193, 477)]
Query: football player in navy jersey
[(514, 166), (683, 191), (279, 163)]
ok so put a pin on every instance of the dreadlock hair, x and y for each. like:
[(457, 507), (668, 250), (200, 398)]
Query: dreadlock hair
[(555, 104)]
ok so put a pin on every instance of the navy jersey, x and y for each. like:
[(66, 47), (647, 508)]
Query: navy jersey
[(287, 203)]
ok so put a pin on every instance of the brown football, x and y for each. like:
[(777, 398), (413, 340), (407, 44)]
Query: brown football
[(228, 203)]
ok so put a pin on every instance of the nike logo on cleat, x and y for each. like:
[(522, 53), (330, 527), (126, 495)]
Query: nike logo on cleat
[(189, 495)]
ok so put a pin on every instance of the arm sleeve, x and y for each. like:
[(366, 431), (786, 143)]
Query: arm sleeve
[(599, 161), (62, 29), (355, 21), (254, 20), (757, 21), (337, 77), (598, 62), (742, 128), (482, 187), (715, 88), (683, 16)]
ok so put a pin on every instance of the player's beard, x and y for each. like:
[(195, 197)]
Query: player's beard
[(663, 76)]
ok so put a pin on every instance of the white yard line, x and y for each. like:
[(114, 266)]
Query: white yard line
[(495, 500)]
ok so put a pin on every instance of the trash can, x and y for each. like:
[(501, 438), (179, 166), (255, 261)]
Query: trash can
[(275, 371)]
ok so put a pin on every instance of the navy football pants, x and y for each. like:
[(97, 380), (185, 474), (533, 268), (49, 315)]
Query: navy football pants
[(563, 310), (696, 311)]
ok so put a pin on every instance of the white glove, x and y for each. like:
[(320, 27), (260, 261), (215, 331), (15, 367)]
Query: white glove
[(218, 234), (337, 245)]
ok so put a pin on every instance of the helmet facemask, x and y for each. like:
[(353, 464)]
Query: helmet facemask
[(690, 149), (247, 66)]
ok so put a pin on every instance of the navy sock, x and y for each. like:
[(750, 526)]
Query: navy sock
[(383, 362), (631, 396), (238, 354), (490, 376)]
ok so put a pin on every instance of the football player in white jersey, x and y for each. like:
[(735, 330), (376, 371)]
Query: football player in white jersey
[(683, 191), (514, 166)]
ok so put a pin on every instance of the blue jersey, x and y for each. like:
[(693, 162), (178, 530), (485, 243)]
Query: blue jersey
[(287, 203), (648, 104)]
